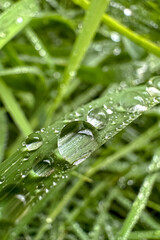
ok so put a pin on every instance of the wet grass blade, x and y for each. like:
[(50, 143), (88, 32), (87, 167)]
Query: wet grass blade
[(12, 24), (115, 115)]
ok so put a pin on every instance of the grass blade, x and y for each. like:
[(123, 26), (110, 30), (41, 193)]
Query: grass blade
[(141, 200), (11, 24), (13, 108), (90, 25)]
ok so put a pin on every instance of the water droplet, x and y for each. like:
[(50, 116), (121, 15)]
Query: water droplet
[(109, 111), (72, 73), (49, 220), (2, 34), (76, 141), (13, 199), (117, 51), (19, 20), (97, 117), (2, 179), (127, 12), (153, 86), (44, 167), (115, 37), (131, 102), (42, 53), (21, 198), (6, 4), (33, 141)]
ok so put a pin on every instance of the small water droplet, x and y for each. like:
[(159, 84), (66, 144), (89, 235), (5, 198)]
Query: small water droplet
[(42, 53), (72, 73), (3, 34), (19, 20), (2, 179), (76, 141), (115, 37), (21, 198), (44, 167), (153, 86), (127, 12), (6, 4), (49, 220), (97, 117), (33, 141)]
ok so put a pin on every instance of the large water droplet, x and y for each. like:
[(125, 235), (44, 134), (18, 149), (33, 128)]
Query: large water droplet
[(97, 117), (33, 141), (76, 141), (13, 202), (44, 167), (132, 102)]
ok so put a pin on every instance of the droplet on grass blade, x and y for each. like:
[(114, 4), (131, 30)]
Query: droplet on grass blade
[(33, 142), (44, 167), (12, 202), (97, 117), (153, 87), (132, 102), (76, 141)]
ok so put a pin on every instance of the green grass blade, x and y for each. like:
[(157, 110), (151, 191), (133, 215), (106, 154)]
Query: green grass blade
[(90, 25), (141, 200), (49, 143), (115, 25), (11, 23), (14, 109), (138, 143), (138, 235)]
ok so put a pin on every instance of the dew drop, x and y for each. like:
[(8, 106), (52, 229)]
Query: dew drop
[(76, 141), (153, 86), (127, 12), (72, 73), (3, 35), (44, 167), (97, 117), (33, 141), (132, 102), (2, 179), (19, 20)]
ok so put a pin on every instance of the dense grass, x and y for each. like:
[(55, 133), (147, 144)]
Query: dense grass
[(81, 78)]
